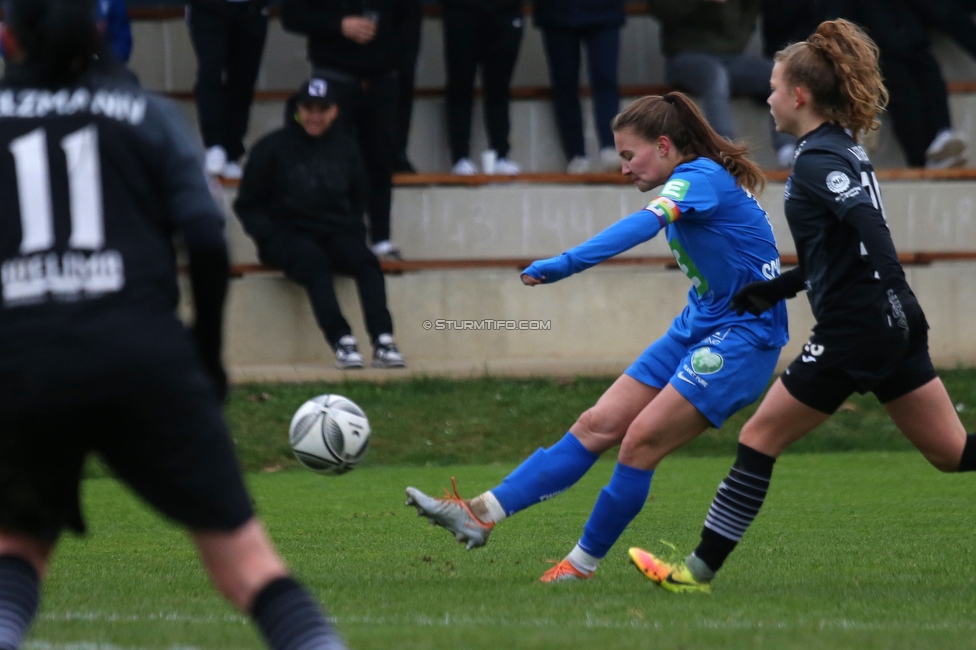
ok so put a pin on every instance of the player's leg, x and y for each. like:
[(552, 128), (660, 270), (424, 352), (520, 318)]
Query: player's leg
[(717, 377), (183, 464), (544, 474), (928, 419), (42, 449), (23, 564), (551, 471), (780, 420), (245, 568), (665, 424)]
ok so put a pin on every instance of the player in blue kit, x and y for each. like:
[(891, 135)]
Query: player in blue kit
[(871, 333), (710, 363)]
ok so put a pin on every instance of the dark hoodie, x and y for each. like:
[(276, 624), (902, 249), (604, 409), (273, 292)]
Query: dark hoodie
[(299, 184)]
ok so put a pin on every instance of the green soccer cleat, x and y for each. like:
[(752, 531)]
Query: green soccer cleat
[(675, 578)]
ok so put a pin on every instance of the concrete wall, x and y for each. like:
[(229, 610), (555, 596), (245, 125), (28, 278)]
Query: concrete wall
[(517, 220), (597, 322)]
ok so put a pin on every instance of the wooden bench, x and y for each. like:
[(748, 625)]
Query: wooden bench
[(772, 176), (920, 258)]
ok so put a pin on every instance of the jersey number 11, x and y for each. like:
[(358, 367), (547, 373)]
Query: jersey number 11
[(80, 148)]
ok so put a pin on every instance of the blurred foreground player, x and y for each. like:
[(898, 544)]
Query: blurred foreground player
[(95, 178)]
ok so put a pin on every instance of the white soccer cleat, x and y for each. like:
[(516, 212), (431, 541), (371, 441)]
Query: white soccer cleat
[(451, 513)]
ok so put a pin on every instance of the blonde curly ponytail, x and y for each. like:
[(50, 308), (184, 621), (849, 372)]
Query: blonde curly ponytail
[(839, 66)]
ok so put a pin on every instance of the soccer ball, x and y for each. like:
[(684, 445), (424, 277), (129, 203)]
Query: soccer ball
[(329, 434)]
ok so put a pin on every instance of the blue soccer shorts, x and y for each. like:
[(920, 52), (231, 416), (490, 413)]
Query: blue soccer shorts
[(719, 375)]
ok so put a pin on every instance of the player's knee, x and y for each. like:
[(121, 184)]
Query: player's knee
[(644, 449), (598, 427)]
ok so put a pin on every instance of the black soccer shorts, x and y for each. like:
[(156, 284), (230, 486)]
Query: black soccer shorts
[(166, 439), (831, 368)]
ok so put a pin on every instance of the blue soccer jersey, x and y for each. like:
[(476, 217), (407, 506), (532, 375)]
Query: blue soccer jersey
[(721, 239)]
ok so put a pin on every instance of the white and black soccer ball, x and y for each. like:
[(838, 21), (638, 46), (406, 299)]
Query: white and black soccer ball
[(329, 434)]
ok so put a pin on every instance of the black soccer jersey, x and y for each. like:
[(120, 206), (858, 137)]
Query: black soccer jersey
[(95, 179), (832, 174)]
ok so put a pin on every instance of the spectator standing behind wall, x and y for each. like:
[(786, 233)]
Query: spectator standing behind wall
[(228, 38), (413, 21), (482, 34), (302, 200), (566, 26), (918, 102), (112, 19), (788, 21), (355, 45), (704, 45)]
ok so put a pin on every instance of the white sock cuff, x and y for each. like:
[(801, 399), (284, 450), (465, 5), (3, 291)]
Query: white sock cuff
[(495, 509), (582, 560)]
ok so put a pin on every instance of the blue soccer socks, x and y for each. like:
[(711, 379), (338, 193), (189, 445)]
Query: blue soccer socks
[(618, 504), (544, 474)]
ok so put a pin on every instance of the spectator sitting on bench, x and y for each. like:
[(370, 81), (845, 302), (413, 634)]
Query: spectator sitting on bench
[(302, 200)]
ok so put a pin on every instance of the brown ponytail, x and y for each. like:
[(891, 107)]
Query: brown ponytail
[(838, 64), (675, 116)]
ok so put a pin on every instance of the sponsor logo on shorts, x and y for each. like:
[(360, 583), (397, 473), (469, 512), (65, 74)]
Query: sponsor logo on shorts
[(690, 376), (706, 362), (716, 338), (837, 182), (676, 188), (810, 352)]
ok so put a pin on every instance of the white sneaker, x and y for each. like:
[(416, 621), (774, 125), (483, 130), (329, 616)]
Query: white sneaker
[(464, 167), (947, 163), (506, 167), (386, 354), (232, 171), (578, 165), (610, 159), (785, 155), (386, 250), (347, 353), (215, 160), (946, 145)]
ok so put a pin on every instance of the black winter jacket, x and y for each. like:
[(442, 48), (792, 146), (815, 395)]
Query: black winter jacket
[(578, 13), (321, 21), (299, 184)]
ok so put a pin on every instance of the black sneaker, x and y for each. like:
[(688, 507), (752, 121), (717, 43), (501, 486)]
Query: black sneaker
[(385, 353), (347, 354)]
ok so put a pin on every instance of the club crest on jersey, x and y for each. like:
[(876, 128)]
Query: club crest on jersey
[(676, 188), (706, 362), (666, 210), (838, 182)]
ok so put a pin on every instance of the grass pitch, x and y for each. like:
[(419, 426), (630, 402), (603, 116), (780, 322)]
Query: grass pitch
[(867, 550)]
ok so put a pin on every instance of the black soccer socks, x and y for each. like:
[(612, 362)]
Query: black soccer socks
[(967, 463), (291, 620), (735, 506), (19, 597)]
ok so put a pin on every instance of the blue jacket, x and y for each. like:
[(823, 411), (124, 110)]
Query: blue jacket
[(578, 13), (113, 15)]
